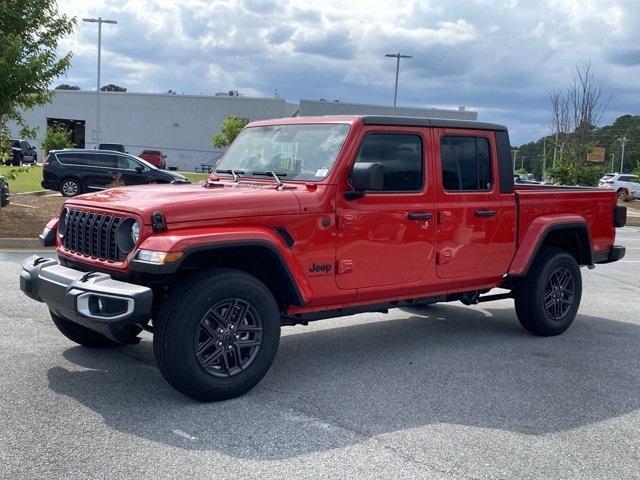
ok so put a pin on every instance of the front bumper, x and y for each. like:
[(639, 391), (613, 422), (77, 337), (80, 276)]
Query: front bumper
[(91, 299)]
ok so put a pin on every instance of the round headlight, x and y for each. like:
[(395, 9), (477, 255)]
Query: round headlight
[(135, 232), (127, 235), (62, 222)]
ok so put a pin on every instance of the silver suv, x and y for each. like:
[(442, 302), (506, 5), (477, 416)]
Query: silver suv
[(625, 185)]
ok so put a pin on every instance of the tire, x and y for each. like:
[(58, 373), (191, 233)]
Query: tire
[(622, 193), (81, 335), (196, 344), (70, 187), (553, 277)]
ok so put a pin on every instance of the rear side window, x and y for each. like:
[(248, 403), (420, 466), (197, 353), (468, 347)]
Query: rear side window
[(628, 178), (400, 156), (466, 163), (87, 159)]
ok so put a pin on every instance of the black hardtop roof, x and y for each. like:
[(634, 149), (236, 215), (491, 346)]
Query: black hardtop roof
[(429, 122)]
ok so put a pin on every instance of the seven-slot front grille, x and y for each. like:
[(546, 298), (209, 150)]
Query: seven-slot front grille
[(93, 235)]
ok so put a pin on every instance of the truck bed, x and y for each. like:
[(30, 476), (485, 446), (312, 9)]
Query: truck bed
[(595, 205)]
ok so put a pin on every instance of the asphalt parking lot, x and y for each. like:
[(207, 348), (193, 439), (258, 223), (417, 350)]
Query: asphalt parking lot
[(447, 392)]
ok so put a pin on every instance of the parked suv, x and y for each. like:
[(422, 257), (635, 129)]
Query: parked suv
[(72, 172), (154, 157), (625, 185)]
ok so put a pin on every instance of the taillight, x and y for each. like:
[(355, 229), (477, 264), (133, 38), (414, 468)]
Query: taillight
[(45, 164)]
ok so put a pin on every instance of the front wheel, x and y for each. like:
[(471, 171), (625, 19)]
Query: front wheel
[(217, 334), (547, 299)]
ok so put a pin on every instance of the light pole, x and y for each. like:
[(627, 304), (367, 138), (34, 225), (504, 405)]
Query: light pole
[(623, 141), (99, 21), (397, 56)]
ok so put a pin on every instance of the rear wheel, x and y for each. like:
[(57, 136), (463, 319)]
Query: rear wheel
[(622, 193), (547, 300), (70, 187), (217, 334)]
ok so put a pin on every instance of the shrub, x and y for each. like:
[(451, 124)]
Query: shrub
[(56, 138)]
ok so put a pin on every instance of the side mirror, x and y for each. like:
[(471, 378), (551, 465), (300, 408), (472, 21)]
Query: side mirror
[(367, 176), (139, 169)]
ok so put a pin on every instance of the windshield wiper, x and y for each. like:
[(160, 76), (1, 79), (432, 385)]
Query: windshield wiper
[(275, 175), (235, 173)]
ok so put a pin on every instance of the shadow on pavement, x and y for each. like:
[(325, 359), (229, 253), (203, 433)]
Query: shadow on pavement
[(341, 386)]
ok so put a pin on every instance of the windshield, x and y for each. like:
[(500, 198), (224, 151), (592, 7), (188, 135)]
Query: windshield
[(297, 152)]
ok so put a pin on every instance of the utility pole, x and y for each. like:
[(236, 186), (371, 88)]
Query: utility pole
[(623, 141), (397, 56), (515, 156), (561, 150), (522, 157), (544, 157), (612, 157), (99, 21)]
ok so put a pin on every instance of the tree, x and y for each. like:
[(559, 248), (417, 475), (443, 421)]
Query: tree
[(229, 130), (56, 138), (576, 112), (66, 86), (30, 32), (113, 88)]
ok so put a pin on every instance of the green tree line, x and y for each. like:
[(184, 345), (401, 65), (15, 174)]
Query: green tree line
[(530, 156)]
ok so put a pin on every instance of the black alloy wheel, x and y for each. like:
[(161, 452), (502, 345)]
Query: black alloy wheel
[(228, 338)]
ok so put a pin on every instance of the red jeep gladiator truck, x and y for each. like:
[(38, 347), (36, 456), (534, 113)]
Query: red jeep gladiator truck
[(311, 218)]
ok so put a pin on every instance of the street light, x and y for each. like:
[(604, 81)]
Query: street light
[(99, 21), (397, 56)]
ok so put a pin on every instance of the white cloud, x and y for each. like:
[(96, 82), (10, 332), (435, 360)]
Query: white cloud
[(499, 56)]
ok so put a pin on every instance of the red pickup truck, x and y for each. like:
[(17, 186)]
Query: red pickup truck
[(155, 158), (311, 218)]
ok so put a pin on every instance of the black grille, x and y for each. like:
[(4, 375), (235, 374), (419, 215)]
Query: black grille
[(93, 235)]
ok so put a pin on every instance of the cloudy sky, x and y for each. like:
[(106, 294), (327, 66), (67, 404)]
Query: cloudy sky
[(499, 57)]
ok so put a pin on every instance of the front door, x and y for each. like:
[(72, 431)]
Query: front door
[(130, 171), (468, 199), (386, 237)]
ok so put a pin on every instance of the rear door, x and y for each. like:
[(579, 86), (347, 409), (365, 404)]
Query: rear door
[(469, 217), (385, 238), (94, 170)]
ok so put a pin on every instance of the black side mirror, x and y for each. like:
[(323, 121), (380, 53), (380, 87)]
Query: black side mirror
[(367, 176), (139, 169)]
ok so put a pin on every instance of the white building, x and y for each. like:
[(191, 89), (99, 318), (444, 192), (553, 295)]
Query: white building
[(182, 125)]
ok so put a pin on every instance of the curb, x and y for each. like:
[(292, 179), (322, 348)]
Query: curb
[(37, 193), (22, 244)]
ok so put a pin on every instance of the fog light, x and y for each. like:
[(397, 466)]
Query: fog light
[(103, 306), (158, 258)]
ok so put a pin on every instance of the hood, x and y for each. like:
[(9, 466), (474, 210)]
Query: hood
[(193, 202)]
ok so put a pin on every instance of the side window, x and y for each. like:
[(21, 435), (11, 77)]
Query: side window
[(466, 163), (100, 160), (73, 158), (126, 163), (400, 156)]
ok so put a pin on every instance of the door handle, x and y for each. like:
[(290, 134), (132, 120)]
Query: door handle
[(485, 213), (419, 216)]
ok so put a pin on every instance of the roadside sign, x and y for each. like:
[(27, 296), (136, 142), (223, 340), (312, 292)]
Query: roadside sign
[(596, 154)]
